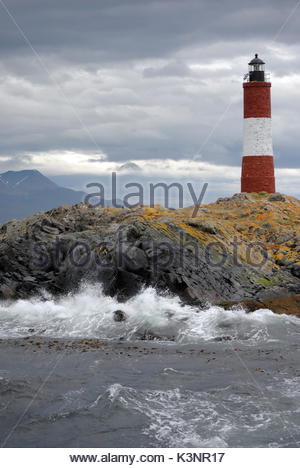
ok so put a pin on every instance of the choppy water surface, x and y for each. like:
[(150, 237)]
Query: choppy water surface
[(168, 376)]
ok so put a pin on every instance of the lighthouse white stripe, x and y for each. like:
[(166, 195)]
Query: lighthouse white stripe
[(258, 137)]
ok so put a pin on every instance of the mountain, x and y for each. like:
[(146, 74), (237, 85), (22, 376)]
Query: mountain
[(23, 193), (129, 167), (24, 181)]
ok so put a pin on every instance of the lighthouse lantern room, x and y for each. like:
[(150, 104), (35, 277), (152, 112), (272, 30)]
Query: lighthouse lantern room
[(258, 161)]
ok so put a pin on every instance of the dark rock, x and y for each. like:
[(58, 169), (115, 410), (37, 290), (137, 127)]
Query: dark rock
[(295, 270), (282, 261), (125, 250), (131, 258), (237, 197), (203, 226), (276, 197), (119, 316), (149, 335), (208, 227), (223, 338)]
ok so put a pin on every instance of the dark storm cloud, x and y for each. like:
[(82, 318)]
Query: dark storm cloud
[(111, 30), (143, 79)]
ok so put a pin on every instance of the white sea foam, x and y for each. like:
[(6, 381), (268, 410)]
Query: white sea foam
[(89, 313), (174, 419), (182, 418)]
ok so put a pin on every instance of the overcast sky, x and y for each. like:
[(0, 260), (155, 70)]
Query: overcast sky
[(88, 85)]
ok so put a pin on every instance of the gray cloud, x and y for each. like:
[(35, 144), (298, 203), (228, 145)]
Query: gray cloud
[(174, 68), (143, 80), (131, 29), (15, 162)]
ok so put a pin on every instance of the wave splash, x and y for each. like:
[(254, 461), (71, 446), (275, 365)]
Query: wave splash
[(183, 418), (149, 315)]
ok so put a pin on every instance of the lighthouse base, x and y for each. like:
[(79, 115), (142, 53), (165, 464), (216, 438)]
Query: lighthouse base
[(258, 174)]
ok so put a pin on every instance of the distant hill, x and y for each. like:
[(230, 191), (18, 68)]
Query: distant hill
[(130, 167), (23, 193)]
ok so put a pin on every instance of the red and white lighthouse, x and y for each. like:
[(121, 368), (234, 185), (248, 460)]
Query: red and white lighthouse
[(258, 161)]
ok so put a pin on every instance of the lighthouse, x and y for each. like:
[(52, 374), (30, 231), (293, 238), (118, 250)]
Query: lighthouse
[(258, 160)]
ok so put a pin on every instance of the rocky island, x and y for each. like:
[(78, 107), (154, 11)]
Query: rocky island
[(239, 250)]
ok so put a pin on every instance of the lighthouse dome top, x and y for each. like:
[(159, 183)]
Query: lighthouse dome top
[(256, 61)]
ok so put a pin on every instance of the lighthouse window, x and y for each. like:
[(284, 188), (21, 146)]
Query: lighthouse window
[(257, 67)]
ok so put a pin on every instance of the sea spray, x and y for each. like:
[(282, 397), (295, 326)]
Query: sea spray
[(149, 315)]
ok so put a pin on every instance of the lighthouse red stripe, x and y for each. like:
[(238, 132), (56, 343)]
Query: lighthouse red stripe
[(257, 99), (258, 174)]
